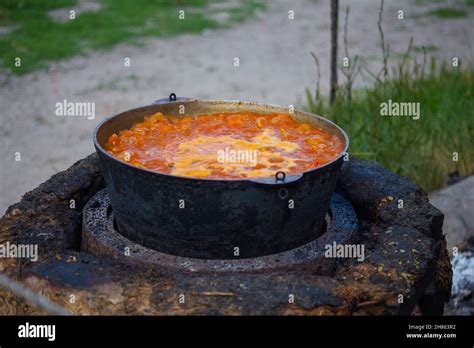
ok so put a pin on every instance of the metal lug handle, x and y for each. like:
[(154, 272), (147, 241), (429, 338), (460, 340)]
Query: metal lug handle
[(171, 99)]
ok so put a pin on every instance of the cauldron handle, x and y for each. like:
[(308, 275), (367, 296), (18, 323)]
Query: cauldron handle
[(280, 178), (171, 99)]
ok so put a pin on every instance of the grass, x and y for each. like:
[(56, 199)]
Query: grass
[(420, 149), (452, 2), (455, 8), (448, 12), (36, 38), (426, 48), (247, 9)]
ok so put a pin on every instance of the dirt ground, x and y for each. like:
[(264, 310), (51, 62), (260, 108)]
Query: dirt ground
[(275, 67)]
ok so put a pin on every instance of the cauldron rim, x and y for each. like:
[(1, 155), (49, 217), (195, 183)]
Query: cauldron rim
[(217, 102)]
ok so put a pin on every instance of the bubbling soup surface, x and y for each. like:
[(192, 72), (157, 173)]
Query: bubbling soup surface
[(228, 145)]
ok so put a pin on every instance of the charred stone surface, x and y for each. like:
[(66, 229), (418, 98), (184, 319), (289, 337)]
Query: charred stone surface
[(386, 198), (406, 267), (50, 214)]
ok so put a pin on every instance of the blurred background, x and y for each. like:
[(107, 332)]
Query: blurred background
[(120, 54)]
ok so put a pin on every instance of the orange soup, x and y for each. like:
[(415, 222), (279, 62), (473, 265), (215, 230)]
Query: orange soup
[(224, 145)]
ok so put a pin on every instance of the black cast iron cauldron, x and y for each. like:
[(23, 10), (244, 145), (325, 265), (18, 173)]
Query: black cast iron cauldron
[(216, 218)]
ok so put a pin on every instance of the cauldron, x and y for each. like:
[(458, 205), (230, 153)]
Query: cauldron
[(216, 218)]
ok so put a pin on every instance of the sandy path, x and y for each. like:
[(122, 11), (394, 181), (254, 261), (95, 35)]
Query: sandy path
[(275, 67)]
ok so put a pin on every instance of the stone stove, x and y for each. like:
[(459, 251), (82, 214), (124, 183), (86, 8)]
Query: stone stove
[(87, 267)]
